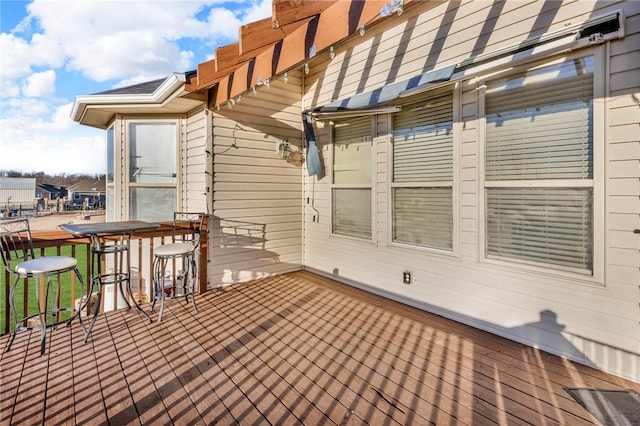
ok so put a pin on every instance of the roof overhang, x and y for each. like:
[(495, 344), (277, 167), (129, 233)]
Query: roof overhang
[(170, 97)]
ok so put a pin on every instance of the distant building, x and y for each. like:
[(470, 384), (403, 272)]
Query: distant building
[(17, 192), (50, 192), (89, 193)]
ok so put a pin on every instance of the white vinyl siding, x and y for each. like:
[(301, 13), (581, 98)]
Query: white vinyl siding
[(539, 166), (423, 172), (256, 214), (352, 167), (589, 318), (195, 170)]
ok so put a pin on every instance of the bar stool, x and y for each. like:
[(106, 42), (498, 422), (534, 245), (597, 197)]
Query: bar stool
[(19, 259), (185, 240)]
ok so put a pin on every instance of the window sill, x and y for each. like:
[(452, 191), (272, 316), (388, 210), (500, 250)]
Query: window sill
[(547, 272), (449, 254)]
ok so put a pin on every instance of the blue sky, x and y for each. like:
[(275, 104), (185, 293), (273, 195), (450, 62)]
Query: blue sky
[(54, 50)]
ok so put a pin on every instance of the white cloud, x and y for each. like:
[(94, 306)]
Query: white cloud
[(225, 22), (36, 136), (109, 40), (258, 11), (59, 154), (77, 150), (106, 40), (26, 109), (9, 89), (18, 62), (40, 84), (61, 118), (62, 46)]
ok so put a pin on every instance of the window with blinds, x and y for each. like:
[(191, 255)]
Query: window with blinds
[(352, 177), (422, 184), (539, 166)]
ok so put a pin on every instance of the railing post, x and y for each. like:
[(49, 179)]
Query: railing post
[(7, 279), (202, 269)]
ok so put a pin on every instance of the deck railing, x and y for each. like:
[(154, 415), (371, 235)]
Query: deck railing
[(58, 242)]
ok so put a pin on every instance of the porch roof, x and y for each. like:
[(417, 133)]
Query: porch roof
[(295, 348), (166, 96)]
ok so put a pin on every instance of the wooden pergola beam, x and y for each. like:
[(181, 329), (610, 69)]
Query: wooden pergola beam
[(255, 38), (259, 34), (288, 11), (226, 56), (321, 31), (339, 21), (262, 33)]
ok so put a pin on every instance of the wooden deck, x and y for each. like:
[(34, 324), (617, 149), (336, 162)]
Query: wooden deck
[(293, 349)]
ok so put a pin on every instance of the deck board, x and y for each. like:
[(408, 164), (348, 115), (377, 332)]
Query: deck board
[(293, 349)]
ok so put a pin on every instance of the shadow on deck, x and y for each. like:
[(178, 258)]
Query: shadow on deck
[(293, 349)]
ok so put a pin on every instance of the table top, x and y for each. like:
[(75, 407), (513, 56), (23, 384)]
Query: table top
[(107, 228)]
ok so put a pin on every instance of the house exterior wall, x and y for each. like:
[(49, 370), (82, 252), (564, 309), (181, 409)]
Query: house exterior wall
[(16, 192), (192, 164), (256, 228), (595, 321)]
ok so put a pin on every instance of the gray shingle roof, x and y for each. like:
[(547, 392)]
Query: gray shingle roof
[(145, 88)]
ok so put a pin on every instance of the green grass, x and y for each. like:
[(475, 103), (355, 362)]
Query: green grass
[(65, 292)]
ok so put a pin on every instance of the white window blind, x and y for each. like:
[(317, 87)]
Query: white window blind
[(352, 151), (352, 177), (153, 152), (423, 172), (352, 212), (550, 225), (422, 216), (539, 166)]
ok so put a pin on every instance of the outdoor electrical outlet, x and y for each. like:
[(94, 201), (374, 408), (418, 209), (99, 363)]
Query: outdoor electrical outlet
[(406, 277)]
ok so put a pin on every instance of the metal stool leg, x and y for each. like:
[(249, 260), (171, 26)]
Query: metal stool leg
[(163, 295), (194, 280), (159, 269), (81, 306), (96, 308)]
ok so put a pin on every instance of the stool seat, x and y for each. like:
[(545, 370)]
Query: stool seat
[(45, 265), (19, 259), (175, 263), (174, 249)]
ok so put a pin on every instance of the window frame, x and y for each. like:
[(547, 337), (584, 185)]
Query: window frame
[(455, 88), (370, 186), (110, 178), (597, 182), (127, 184)]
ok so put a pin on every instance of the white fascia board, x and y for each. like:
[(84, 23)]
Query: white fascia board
[(168, 87)]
